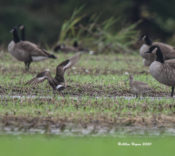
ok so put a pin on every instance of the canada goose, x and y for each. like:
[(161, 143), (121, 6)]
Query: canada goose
[(167, 50), (162, 70), (138, 87), (57, 83), (26, 51)]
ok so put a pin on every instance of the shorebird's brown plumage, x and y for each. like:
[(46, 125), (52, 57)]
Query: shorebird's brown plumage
[(138, 87)]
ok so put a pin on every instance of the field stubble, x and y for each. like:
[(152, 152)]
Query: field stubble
[(96, 80)]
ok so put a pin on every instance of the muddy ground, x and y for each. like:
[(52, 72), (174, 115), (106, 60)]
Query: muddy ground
[(97, 80)]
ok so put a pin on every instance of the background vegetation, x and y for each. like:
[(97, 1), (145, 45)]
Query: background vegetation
[(44, 18)]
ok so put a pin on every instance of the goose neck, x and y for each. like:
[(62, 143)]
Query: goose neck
[(159, 56), (15, 36), (148, 41), (23, 34)]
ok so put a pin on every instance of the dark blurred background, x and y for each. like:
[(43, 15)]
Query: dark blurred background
[(43, 18)]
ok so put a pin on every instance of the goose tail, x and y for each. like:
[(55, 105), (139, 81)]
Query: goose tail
[(52, 56)]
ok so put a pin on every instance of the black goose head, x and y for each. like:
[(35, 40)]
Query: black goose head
[(15, 35), (59, 46), (22, 29), (159, 55), (146, 39)]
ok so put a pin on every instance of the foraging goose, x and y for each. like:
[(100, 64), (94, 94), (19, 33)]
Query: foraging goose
[(65, 48), (57, 83), (75, 48), (138, 87), (162, 70), (167, 50), (26, 51)]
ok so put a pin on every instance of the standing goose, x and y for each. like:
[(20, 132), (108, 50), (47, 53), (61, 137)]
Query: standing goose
[(57, 83), (26, 51), (138, 87), (167, 50), (162, 70)]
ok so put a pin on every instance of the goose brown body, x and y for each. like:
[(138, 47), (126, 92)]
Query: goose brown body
[(162, 70), (27, 51), (58, 82)]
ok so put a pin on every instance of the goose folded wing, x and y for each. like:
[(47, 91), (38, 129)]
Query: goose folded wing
[(167, 50), (31, 48), (171, 64)]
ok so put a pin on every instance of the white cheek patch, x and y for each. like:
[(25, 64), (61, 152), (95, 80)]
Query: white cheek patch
[(59, 86), (38, 58)]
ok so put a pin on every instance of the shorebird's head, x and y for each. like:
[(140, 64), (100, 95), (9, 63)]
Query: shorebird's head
[(130, 77)]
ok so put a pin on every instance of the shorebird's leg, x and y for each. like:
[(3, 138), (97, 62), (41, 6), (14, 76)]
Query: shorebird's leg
[(172, 91)]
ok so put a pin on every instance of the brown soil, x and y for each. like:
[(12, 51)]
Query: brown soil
[(80, 90), (25, 123)]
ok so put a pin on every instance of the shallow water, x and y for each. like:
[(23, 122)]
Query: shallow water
[(72, 130), (77, 97)]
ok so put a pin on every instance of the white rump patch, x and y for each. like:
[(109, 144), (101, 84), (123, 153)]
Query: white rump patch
[(38, 58), (59, 86)]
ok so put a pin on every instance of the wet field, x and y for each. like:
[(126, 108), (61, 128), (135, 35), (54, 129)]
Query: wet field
[(97, 101)]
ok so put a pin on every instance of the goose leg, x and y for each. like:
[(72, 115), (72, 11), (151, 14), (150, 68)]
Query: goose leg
[(172, 92), (27, 65)]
